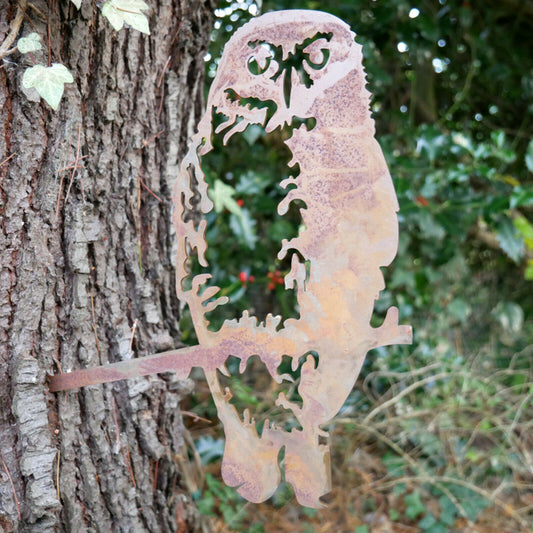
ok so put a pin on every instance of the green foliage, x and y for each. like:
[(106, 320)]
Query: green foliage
[(49, 82), (414, 506), (224, 500), (209, 449), (452, 93), (244, 231)]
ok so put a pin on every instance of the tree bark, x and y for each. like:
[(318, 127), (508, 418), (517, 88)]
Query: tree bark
[(86, 267)]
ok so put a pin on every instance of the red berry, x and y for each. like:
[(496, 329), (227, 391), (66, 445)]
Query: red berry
[(240, 202), (420, 200), (243, 277), (271, 286), (251, 279)]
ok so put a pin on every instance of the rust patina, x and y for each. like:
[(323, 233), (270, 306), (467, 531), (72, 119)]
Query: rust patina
[(302, 71)]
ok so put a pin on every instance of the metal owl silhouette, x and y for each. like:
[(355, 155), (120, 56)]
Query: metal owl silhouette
[(301, 69)]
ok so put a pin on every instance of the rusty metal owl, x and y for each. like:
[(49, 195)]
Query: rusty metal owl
[(302, 71)]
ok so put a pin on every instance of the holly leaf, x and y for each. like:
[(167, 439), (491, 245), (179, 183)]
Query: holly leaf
[(222, 196), (49, 82), (510, 240), (243, 226), (30, 43), (77, 3), (120, 12)]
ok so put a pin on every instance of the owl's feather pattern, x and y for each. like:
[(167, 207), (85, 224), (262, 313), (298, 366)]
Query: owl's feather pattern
[(351, 230)]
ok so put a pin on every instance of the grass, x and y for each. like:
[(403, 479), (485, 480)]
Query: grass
[(434, 449)]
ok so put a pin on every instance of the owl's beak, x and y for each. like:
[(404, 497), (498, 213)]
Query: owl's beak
[(293, 103)]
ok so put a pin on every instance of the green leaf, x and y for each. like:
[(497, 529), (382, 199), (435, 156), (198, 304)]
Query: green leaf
[(413, 505), (427, 522), (525, 228), (222, 196), (250, 182), (498, 138), (529, 156), (120, 12), (243, 226), (430, 143), (77, 3), (30, 43), (521, 197), (209, 449), (459, 309), (448, 511), (510, 315), (394, 515), (510, 240), (49, 82), (463, 141), (252, 133)]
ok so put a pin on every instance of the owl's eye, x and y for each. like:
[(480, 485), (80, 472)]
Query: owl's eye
[(261, 59), (316, 55), (258, 66)]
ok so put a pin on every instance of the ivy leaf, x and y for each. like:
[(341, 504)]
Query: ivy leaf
[(77, 3), (30, 43), (49, 82), (120, 12), (243, 227)]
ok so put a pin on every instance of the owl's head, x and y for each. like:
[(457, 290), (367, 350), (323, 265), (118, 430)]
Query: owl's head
[(277, 66)]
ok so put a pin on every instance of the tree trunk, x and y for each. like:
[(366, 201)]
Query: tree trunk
[(86, 267)]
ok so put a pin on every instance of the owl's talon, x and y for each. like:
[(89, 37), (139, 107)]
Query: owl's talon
[(390, 332)]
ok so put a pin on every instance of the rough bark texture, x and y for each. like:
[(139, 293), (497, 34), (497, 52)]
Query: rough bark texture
[(74, 279)]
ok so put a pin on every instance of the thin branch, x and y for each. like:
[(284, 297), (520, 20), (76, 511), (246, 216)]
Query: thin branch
[(15, 28), (75, 167), (148, 189), (405, 392), (8, 158), (133, 334), (57, 475), (49, 47), (195, 417)]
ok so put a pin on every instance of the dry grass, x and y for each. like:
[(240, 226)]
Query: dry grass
[(458, 436)]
